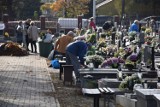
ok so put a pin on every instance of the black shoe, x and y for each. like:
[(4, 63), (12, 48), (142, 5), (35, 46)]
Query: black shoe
[(50, 65)]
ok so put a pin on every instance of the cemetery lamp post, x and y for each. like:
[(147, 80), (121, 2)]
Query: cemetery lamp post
[(94, 9), (123, 11), (123, 7)]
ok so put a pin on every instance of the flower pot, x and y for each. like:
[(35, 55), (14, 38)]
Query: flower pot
[(96, 65), (129, 67)]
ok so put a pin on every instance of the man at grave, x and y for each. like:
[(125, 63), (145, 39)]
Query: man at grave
[(75, 53), (134, 26), (62, 42)]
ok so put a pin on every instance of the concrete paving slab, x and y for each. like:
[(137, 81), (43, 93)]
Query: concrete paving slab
[(25, 82)]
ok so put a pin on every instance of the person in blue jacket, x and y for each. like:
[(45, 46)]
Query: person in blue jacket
[(134, 26), (75, 53)]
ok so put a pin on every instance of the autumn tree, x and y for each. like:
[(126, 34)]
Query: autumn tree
[(70, 8)]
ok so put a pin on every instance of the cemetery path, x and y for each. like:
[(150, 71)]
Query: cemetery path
[(25, 82)]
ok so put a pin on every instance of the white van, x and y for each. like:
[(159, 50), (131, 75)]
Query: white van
[(71, 23)]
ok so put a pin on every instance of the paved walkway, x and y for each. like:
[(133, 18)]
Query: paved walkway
[(25, 82)]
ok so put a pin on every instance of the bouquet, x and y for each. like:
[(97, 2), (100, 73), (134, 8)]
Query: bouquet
[(129, 82), (95, 59), (148, 31), (148, 40), (112, 62)]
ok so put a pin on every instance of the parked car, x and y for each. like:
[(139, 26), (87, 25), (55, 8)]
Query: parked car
[(100, 20), (144, 21), (156, 18)]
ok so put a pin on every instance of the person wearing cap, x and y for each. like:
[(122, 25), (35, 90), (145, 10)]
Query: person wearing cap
[(75, 53), (134, 26), (62, 42)]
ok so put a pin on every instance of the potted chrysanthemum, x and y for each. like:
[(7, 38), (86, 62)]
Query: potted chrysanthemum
[(95, 59), (129, 82), (112, 62)]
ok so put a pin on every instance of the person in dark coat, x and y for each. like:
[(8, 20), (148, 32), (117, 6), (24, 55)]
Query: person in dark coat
[(75, 53), (26, 26)]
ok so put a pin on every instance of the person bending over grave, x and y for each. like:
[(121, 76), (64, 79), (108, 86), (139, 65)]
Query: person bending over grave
[(75, 53)]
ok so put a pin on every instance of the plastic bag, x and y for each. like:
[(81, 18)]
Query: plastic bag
[(55, 64)]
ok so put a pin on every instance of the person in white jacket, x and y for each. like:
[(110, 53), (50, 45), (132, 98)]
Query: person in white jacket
[(33, 34), (49, 37)]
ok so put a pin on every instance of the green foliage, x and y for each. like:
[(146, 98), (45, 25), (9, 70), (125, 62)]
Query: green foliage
[(35, 15), (129, 82), (132, 7), (103, 35), (94, 59), (20, 9), (91, 38), (91, 51), (101, 44)]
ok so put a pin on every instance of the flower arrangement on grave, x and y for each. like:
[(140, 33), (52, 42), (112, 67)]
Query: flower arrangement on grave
[(112, 62), (42, 35), (6, 35), (111, 49), (118, 34), (143, 28), (95, 59), (129, 64), (101, 43), (79, 32), (132, 35), (119, 53), (91, 38), (149, 40), (101, 51), (103, 35), (123, 53), (91, 50), (148, 31), (108, 33), (133, 59), (107, 51), (129, 82)]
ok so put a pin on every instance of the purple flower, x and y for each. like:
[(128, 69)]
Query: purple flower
[(112, 61), (133, 57)]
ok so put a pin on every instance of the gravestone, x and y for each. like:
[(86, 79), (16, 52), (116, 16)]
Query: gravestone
[(147, 55), (141, 39), (145, 97)]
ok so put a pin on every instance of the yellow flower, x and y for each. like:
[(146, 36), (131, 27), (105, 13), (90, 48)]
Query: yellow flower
[(148, 30), (6, 34)]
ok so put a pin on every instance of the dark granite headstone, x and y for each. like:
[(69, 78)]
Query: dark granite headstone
[(145, 97), (147, 55), (118, 44), (141, 39)]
